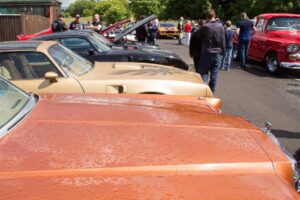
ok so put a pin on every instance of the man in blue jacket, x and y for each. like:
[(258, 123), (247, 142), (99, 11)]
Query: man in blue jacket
[(244, 30)]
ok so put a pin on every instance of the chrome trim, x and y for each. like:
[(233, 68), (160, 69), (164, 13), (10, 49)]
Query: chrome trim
[(290, 65), (295, 56), (295, 167)]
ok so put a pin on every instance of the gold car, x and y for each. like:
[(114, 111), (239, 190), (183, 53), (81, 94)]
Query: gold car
[(167, 30), (48, 67)]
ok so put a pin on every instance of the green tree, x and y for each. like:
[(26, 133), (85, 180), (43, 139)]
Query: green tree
[(186, 8), (144, 7), (81, 7), (112, 11)]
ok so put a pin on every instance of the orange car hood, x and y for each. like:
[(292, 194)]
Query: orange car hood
[(109, 147)]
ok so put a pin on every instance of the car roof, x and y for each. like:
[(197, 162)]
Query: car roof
[(69, 33), (19, 45), (25, 45), (270, 15)]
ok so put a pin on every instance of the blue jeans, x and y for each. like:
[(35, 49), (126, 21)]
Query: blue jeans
[(243, 50), (209, 65), (226, 61)]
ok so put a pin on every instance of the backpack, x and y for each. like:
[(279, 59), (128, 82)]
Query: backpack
[(56, 26)]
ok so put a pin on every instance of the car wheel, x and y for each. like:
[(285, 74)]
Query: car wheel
[(272, 64), (235, 53)]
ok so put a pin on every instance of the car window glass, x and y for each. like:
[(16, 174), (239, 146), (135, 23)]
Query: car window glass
[(283, 23), (25, 65), (78, 45), (260, 25), (167, 25), (72, 63), (101, 47), (12, 100)]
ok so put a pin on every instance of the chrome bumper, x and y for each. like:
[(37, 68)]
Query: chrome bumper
[(290, 65)]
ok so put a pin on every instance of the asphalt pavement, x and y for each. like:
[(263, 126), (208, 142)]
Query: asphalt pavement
[(257, 96)]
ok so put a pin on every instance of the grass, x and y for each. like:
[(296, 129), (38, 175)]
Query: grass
[(82, 19)]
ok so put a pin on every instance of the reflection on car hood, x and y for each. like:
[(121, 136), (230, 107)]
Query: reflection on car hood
[(120, 147), (131, 70), (147, 52), (135, 26), (288, 35)]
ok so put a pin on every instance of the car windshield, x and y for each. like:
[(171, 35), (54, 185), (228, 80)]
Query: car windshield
[(98, 44), (167, 25), (70, 62), (101, 38), (14, 105), (284, 23)]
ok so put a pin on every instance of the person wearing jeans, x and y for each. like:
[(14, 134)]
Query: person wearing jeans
[(244, 30), (243, 46), (210, 69), (229, 34), (212, 36)]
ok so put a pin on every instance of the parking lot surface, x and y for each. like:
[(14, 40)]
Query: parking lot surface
[(257, 96)]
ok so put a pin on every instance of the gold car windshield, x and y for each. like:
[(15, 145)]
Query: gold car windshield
[(167, 25), (70, 62), (12, 102)]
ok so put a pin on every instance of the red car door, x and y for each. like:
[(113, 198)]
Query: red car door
[(258, 41)]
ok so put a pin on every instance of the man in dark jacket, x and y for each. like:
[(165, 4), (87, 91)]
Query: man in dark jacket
[(76, 24), (212, 36), (142, 32), (59, 25), (195, 46), (97, 25)]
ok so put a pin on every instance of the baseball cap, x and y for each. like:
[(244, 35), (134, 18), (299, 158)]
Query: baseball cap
[(77, 16)]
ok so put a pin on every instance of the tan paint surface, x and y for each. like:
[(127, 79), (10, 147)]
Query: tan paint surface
[(134, 78)]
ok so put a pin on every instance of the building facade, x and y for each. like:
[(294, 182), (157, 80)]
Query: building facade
[(45, 8)]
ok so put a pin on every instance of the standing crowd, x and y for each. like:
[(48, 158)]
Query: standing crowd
[(211, 45)]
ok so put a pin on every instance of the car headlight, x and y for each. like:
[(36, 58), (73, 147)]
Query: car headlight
[(292, 48)]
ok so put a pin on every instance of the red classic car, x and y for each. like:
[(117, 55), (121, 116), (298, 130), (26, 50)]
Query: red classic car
[(276, 41), (29, 36)]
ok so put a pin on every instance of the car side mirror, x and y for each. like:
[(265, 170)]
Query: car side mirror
[(52, 77), (91, 52)]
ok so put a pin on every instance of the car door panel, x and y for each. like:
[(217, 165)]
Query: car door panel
[(63, 85), (258, 41)]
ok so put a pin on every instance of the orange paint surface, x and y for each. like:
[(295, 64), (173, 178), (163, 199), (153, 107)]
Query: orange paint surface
[(138, 147)]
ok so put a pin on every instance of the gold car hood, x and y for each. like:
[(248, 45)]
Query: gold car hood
[(125, 71)]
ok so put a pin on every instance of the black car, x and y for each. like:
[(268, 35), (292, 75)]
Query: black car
[(87, 44)]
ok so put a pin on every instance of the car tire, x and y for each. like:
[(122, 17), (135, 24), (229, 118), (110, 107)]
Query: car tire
[(272, 63), (235, 53)]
